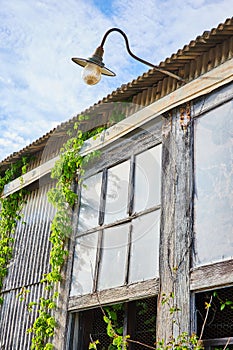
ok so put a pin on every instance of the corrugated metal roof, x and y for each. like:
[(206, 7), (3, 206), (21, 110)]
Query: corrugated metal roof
[(175, 63)]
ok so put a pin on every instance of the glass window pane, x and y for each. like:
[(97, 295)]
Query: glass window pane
[(114, 257), (90, 200), (144, 257), (84, 264), (214, 186), (117, 192), (147, 179)]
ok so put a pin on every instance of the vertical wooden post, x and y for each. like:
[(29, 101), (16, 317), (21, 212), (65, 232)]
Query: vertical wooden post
[(176, 225), (61, 332)]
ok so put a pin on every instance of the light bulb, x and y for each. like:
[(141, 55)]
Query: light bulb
[(91, 74)]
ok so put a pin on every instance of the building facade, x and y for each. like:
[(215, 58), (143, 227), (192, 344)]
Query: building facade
[(154, 220)]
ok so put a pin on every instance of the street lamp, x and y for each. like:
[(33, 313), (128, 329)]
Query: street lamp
[(94, 66)]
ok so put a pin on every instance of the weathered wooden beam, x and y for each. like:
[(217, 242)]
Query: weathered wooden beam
[(121, 294), (30, 177), (176, 228), (62, 331), (62, 317), (212, 276)]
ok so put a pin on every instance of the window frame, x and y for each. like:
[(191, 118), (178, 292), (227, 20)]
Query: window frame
[(217, 274), (134, 143), (204, 130)]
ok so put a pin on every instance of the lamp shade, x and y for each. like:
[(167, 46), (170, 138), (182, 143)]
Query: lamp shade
[(83, 62)]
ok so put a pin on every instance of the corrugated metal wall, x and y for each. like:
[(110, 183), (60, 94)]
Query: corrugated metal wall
[(31, 261)]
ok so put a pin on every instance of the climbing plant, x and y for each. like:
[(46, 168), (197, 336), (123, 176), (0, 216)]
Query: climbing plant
[(10, 208), (69, 169), (114, 330)]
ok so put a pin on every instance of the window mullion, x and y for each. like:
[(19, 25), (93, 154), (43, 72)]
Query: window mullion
[(98, 259), (103, 197), (131, 186), (128, 253)]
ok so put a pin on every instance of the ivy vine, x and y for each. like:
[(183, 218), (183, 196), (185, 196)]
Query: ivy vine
[(10, 208), (68, 169), (114, 329)]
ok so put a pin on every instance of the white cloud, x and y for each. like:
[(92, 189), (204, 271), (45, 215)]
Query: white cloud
[(40, 86)]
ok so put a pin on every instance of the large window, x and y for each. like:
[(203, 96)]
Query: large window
[(214, 186), (118, 231)]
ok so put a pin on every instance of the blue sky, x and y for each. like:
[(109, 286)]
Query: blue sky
[(40, 86)]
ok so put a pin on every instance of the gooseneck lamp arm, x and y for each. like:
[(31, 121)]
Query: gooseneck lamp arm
[(136, 57), (94, 65)]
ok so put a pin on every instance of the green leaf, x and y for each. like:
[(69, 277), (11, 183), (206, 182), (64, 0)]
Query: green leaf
[(222, 307)]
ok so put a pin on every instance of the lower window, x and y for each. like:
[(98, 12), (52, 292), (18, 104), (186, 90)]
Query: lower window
[(218, 329), (136, 318)]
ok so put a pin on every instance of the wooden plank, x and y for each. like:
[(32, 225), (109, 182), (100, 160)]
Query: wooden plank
[(213, 343), (120, 294), (61, 332), (211, 276), (204, 105), (30, 177)]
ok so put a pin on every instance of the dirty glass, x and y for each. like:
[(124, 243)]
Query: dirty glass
[(147, 179), (214, 186), (90, 200), (84, 264), (144, 257), (117, 192), (114, 257)]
